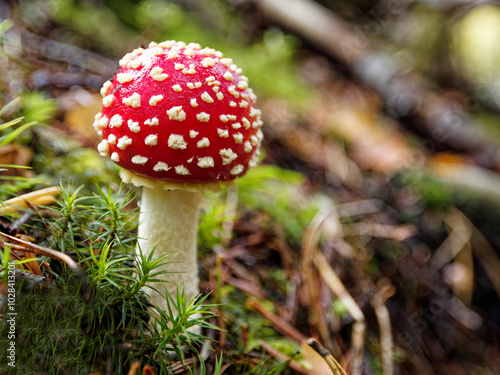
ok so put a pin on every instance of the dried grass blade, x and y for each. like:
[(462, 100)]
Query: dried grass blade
[(40, 250)]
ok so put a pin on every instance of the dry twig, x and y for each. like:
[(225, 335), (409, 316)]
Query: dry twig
[(281, 325), (35, 198), (384, 322), (282, 357), (311, 282), (327, 356), (21, 245), (339, 290)]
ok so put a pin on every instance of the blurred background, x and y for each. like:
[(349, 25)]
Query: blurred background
[(382, 127)]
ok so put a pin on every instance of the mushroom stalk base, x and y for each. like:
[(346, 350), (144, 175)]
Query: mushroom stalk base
[(169, 221)]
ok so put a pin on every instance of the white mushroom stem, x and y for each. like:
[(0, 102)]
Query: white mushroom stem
[(169, 221)]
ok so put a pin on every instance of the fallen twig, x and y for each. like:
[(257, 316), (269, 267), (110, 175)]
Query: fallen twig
[(282, 357), (35, 198), (385, 329), (327, 356), (39, 250), (337, 287), (281, 325)]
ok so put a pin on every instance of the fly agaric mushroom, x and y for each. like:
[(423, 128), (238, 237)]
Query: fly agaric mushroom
[(180, 120)]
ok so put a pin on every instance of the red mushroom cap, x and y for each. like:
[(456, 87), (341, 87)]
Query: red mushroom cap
[(180, 113)]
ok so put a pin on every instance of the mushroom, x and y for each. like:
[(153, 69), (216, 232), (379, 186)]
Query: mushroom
[(180, 120)]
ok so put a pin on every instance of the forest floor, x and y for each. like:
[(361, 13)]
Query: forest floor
[(371, 224)]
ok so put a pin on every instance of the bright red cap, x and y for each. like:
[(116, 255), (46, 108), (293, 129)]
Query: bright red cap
[(181, 113)]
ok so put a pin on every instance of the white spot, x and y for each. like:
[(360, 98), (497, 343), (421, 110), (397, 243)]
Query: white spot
[(178, 66), (197, 85), (191, 70), (167, 44), (177, 88), (176, 142), (103, 148), (204, 142), (227, 155), (208, 51), (237, 170), (247, 147), (194, 103), (231, 117), (105, 87), (152, 44), (125, 59), (223, 133), (115, 157), (100, 122), (255, 112), (173, 55), (193, 133), (236, 125), (226, 62), (220, 96), (133, 126), (182, 170), (238, 138), (157, 74), (112, 139), (254, 161), (116, 121), (190, 85), (206, 162), (243, 104), (232, 104), (207, 61), (215, 89), (206, 97), (210, 79), (194, 46), (260, 135), (108, 100), (254, 140), (228, 76), (141, 160), (257, 124), (134, 64), (152, 122), (233, 92), (246, 123), (133, 100), (155, 99), (124, 77), (253, 97), (157, 51), (244, 96), (151, 140), (180, 45), (129, 56), (203, 117), (190, 159), (123, 142), (176, 113), (161, 166)]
